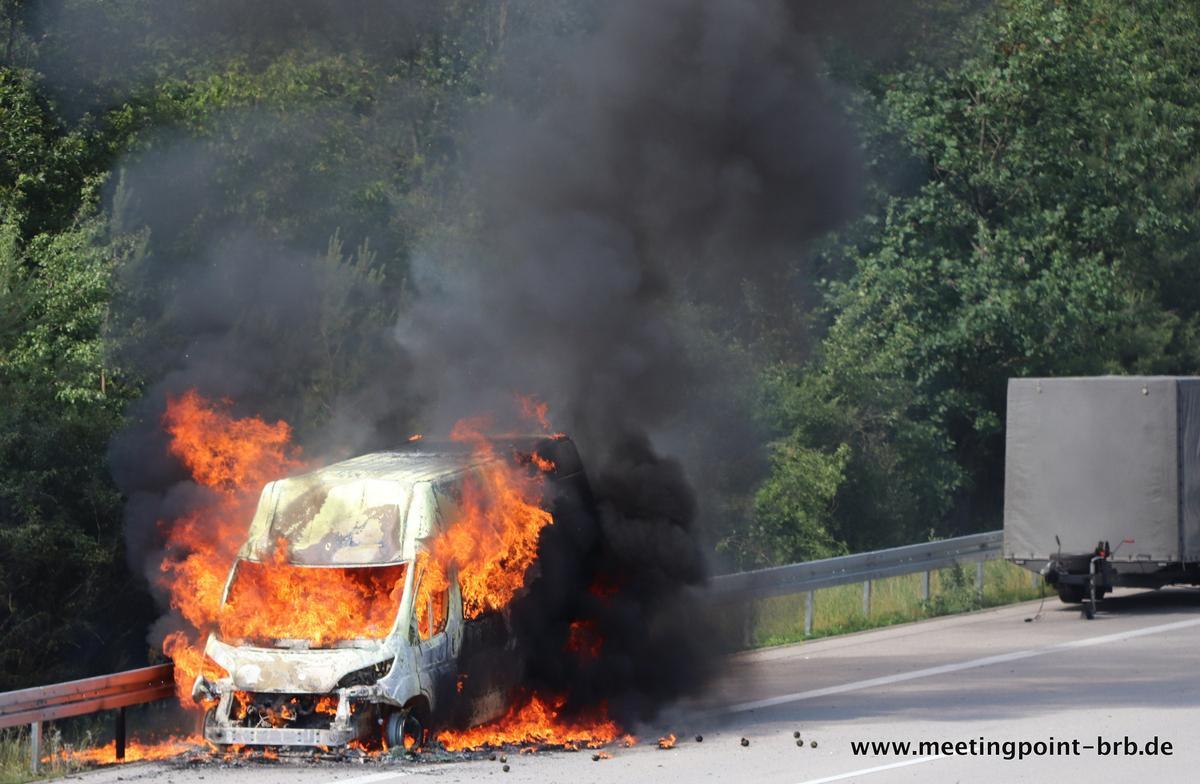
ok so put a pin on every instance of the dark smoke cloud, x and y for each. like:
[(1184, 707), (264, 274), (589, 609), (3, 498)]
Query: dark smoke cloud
[(678, 154), (236, 293), (687, 150), (268, 327)]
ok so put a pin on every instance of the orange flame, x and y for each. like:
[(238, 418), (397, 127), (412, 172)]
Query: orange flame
[(536, 722), (493, 541), (583, 639), (544, 465), (224, 453), (538, 410), (276, 600), (667, 742), (234, 458), (134, 751)]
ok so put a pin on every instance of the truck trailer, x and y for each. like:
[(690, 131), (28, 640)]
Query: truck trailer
[(1102, 482)]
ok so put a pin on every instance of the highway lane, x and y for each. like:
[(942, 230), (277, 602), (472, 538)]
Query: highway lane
[(990, 676)]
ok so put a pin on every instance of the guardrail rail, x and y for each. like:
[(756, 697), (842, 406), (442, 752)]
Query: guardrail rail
[(87, 695), (862, 568)]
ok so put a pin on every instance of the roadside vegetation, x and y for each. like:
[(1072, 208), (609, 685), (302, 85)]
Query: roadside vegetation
[(15, 752), (839, 610), (1030, 175)]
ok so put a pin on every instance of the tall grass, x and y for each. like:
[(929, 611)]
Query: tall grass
[(15, 751), (839, 610)]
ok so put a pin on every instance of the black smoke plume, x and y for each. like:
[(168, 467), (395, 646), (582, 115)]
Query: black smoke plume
[(688, 149), (677, 154)]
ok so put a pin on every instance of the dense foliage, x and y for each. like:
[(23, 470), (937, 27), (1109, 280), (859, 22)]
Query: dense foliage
[(1033, 173), (1033, 213)]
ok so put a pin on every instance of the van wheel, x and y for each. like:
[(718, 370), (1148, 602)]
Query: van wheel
[(1072, 594), (404, 730), (208, 725)]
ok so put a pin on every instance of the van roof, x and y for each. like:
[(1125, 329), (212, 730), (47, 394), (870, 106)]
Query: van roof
[(421, 460), (351, 512), (406, 466)]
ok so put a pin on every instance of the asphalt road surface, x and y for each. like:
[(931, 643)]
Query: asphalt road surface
[(989, 677)]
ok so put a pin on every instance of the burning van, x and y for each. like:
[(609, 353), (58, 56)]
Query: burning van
[(369, 600)]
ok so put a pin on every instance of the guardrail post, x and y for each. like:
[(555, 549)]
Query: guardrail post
[(119, 735), (979, 579), (867, 599), (925, 586), (808, 613), (35, 746)]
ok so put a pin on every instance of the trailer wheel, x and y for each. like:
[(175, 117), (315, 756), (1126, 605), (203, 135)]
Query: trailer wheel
[(404, 730), (1072, 594)]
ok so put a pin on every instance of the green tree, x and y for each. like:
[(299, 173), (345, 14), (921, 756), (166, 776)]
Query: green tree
[(1033, 213), (62, 581)]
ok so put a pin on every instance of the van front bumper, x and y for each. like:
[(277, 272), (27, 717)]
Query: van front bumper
[(271, 736)]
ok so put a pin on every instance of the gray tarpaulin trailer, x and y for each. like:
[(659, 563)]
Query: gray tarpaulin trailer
[(1102, 481)]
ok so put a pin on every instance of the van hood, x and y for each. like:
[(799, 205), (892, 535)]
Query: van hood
[(293, 671)]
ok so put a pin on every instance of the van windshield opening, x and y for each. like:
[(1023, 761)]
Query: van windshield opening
[(321, 605)]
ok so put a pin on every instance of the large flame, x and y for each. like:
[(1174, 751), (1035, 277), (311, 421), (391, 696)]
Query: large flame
[(134, 752), (538, 722), (493, 540), (233, 457), (277, 600)]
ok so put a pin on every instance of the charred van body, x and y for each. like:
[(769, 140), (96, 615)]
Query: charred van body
[(430, 665)]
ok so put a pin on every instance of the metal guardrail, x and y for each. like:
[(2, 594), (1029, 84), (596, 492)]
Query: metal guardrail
[(88, 695), (861, 567), (119, 690)]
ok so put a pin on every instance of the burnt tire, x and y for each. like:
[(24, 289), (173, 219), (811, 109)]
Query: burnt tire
[(1072, 594), (209, 722), (404, 730)]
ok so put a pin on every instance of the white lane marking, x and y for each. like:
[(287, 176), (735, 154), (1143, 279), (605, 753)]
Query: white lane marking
[(869, 771), (957, 667), (391, 774)]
